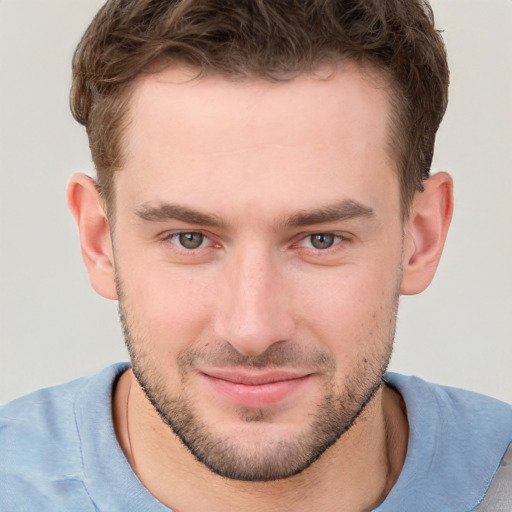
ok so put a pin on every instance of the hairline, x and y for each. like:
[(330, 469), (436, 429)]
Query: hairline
[(376, 75)]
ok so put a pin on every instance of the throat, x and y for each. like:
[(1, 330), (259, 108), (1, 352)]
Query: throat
[(356, 473), (396, 426)]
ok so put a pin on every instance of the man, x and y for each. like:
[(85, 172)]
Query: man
[(263, 198)]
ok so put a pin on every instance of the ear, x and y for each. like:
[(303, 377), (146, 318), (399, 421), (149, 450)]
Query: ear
[(87, 208), (425, 233)]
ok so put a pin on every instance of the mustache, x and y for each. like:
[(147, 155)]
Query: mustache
[(222, 354), (278, 355)]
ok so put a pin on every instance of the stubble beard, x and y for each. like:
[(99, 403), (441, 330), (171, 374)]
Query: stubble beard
[(267, 459)]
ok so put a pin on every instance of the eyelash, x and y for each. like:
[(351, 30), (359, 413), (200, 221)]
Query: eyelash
[(337, 239), (173, 238)]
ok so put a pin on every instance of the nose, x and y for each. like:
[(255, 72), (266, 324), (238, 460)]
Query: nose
[(254, 306)]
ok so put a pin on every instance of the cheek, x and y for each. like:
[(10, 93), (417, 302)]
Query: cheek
[(355, 307), (168, 308)]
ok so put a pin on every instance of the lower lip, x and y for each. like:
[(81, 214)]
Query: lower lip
[(257, 396)]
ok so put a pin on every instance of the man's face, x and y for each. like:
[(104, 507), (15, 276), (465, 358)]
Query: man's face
[(258, 247)]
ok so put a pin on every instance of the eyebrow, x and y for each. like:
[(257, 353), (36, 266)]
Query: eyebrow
[(346, 209), (178, 212)]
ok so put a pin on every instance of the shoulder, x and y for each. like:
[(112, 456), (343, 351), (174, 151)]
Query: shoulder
[(415, 389), (455, 408), (39, 423), (457, 440), (38, 410), (40, 443)]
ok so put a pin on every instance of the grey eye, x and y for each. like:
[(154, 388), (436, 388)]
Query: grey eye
[(322, 240), (191, 240)]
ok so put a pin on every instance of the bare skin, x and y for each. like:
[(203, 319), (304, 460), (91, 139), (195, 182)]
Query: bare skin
[(376, 449), (252, 220)]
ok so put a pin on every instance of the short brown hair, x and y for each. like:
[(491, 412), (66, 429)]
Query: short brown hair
[(270, 39)]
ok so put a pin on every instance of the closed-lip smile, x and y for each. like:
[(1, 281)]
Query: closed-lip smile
[(254, 388)]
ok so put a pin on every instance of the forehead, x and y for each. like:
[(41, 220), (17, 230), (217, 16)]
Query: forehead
[(254, 137), (256, 104)]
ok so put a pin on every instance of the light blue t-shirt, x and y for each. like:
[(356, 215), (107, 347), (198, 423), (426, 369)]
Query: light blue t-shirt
[(59, 452)]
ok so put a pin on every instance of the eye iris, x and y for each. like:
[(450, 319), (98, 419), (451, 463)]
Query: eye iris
[(191, 240), (322, 240)]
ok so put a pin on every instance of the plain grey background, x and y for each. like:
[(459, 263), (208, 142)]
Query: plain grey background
[(53, 327)]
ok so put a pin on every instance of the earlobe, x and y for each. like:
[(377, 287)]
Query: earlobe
[(86, 205), (425, 233)]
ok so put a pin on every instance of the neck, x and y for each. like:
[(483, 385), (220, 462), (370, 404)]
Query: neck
[(355, 474)]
